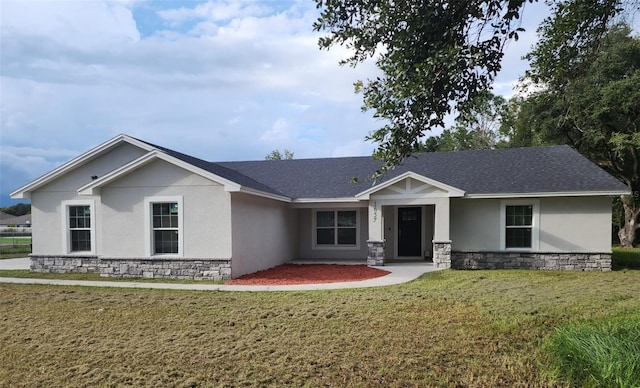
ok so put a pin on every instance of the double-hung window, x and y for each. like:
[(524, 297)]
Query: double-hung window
[(165, 227), (520, 224), (336, 228), (78, 226), (164, 215)]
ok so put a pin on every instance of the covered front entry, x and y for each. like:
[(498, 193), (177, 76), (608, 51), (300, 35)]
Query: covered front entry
[(409, 219)]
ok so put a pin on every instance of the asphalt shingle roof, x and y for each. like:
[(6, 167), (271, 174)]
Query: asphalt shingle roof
[(501, 171)]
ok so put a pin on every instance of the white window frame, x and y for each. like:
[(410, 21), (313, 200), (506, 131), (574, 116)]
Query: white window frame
[(66, 227), (148, 224), (336, 246), (535, 223)]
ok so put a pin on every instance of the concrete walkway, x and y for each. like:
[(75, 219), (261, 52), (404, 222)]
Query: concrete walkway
[(400, 273)]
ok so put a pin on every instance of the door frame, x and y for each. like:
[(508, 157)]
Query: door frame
[(422, 232)]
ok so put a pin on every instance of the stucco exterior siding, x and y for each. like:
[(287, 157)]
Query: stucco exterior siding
[(206, 211), (575, 224), (47, 210), (566, 224), (103, 164), (306, 250), (264, 233), (475, 224)]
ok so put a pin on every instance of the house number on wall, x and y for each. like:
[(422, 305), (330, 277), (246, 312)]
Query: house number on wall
[(375, 211)]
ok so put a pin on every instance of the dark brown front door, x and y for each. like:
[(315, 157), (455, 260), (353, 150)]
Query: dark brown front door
[(409, 231)]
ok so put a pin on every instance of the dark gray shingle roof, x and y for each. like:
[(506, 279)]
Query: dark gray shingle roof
[(501, 171)]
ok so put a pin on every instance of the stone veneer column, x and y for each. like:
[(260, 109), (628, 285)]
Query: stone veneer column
[(442, 254), (375, 255)]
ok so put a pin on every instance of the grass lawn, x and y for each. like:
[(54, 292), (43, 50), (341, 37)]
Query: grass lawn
[(13, 247), (18, 240), (448, 328), (25, 273)]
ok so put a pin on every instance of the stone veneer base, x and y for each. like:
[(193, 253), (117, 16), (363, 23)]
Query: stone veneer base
[(129, 267), (552, 261)]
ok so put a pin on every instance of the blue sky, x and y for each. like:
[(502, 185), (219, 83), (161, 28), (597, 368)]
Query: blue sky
[(220, 80)]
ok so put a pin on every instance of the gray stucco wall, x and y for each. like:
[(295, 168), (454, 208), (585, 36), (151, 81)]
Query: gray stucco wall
[(567, 224), (46, 202), (305, 239), (264, 233), (206, 212)]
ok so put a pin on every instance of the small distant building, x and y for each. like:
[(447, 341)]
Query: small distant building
[(11, 221)]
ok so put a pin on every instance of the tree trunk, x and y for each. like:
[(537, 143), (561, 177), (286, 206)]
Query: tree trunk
[(627, 233)]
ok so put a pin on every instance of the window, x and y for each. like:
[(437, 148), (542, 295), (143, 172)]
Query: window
[(80, 228), (78, 219), (336, 228), (520, 224), (164, 225)]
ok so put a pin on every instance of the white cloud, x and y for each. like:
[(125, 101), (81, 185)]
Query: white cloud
[(222, 80)]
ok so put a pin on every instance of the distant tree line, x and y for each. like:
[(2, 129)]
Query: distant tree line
[(17, 210)]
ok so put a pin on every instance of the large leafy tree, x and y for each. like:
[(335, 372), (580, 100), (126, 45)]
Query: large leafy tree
[(475, 129), (591, 103), (435, 56)]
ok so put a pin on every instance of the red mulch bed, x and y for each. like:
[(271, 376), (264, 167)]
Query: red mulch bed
[(308, 274)]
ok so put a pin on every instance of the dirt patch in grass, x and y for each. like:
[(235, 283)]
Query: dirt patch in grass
[(309, 274)]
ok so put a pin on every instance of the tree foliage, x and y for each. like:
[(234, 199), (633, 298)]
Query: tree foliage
[(277, 155), (595, 108), (436, 56), (17, 210), (475, 129)]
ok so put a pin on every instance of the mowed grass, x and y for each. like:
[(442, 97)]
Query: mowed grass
[(448, 328), (18, 240)]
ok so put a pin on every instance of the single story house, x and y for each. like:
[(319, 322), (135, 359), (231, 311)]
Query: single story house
[(131, 208), (9, 221)]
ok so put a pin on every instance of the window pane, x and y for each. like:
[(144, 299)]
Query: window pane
[(80, 240), (165, 241), (518, 238), (347, 236), (325, 219), (347, 218), (325, 236), (519, 215)]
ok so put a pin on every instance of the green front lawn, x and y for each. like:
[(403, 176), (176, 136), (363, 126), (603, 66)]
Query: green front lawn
[(448, 328)]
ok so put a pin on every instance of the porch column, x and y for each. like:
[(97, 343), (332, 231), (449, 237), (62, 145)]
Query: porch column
[(441, 239), (375, 242)]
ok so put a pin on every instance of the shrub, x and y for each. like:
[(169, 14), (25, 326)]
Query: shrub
[(625, 258)]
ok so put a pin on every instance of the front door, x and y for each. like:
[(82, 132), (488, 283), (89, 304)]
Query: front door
[(410, 231)]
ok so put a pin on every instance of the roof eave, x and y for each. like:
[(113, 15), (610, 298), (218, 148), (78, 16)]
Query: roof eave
[(597, 193), (92, 187), (24, 192), (451, 191)]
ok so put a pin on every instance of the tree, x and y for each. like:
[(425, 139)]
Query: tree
[(435, 56), (276, 155), (17, 210), (475, 129), (593, 105)]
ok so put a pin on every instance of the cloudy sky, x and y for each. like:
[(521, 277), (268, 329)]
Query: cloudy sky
[(220, 80)]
